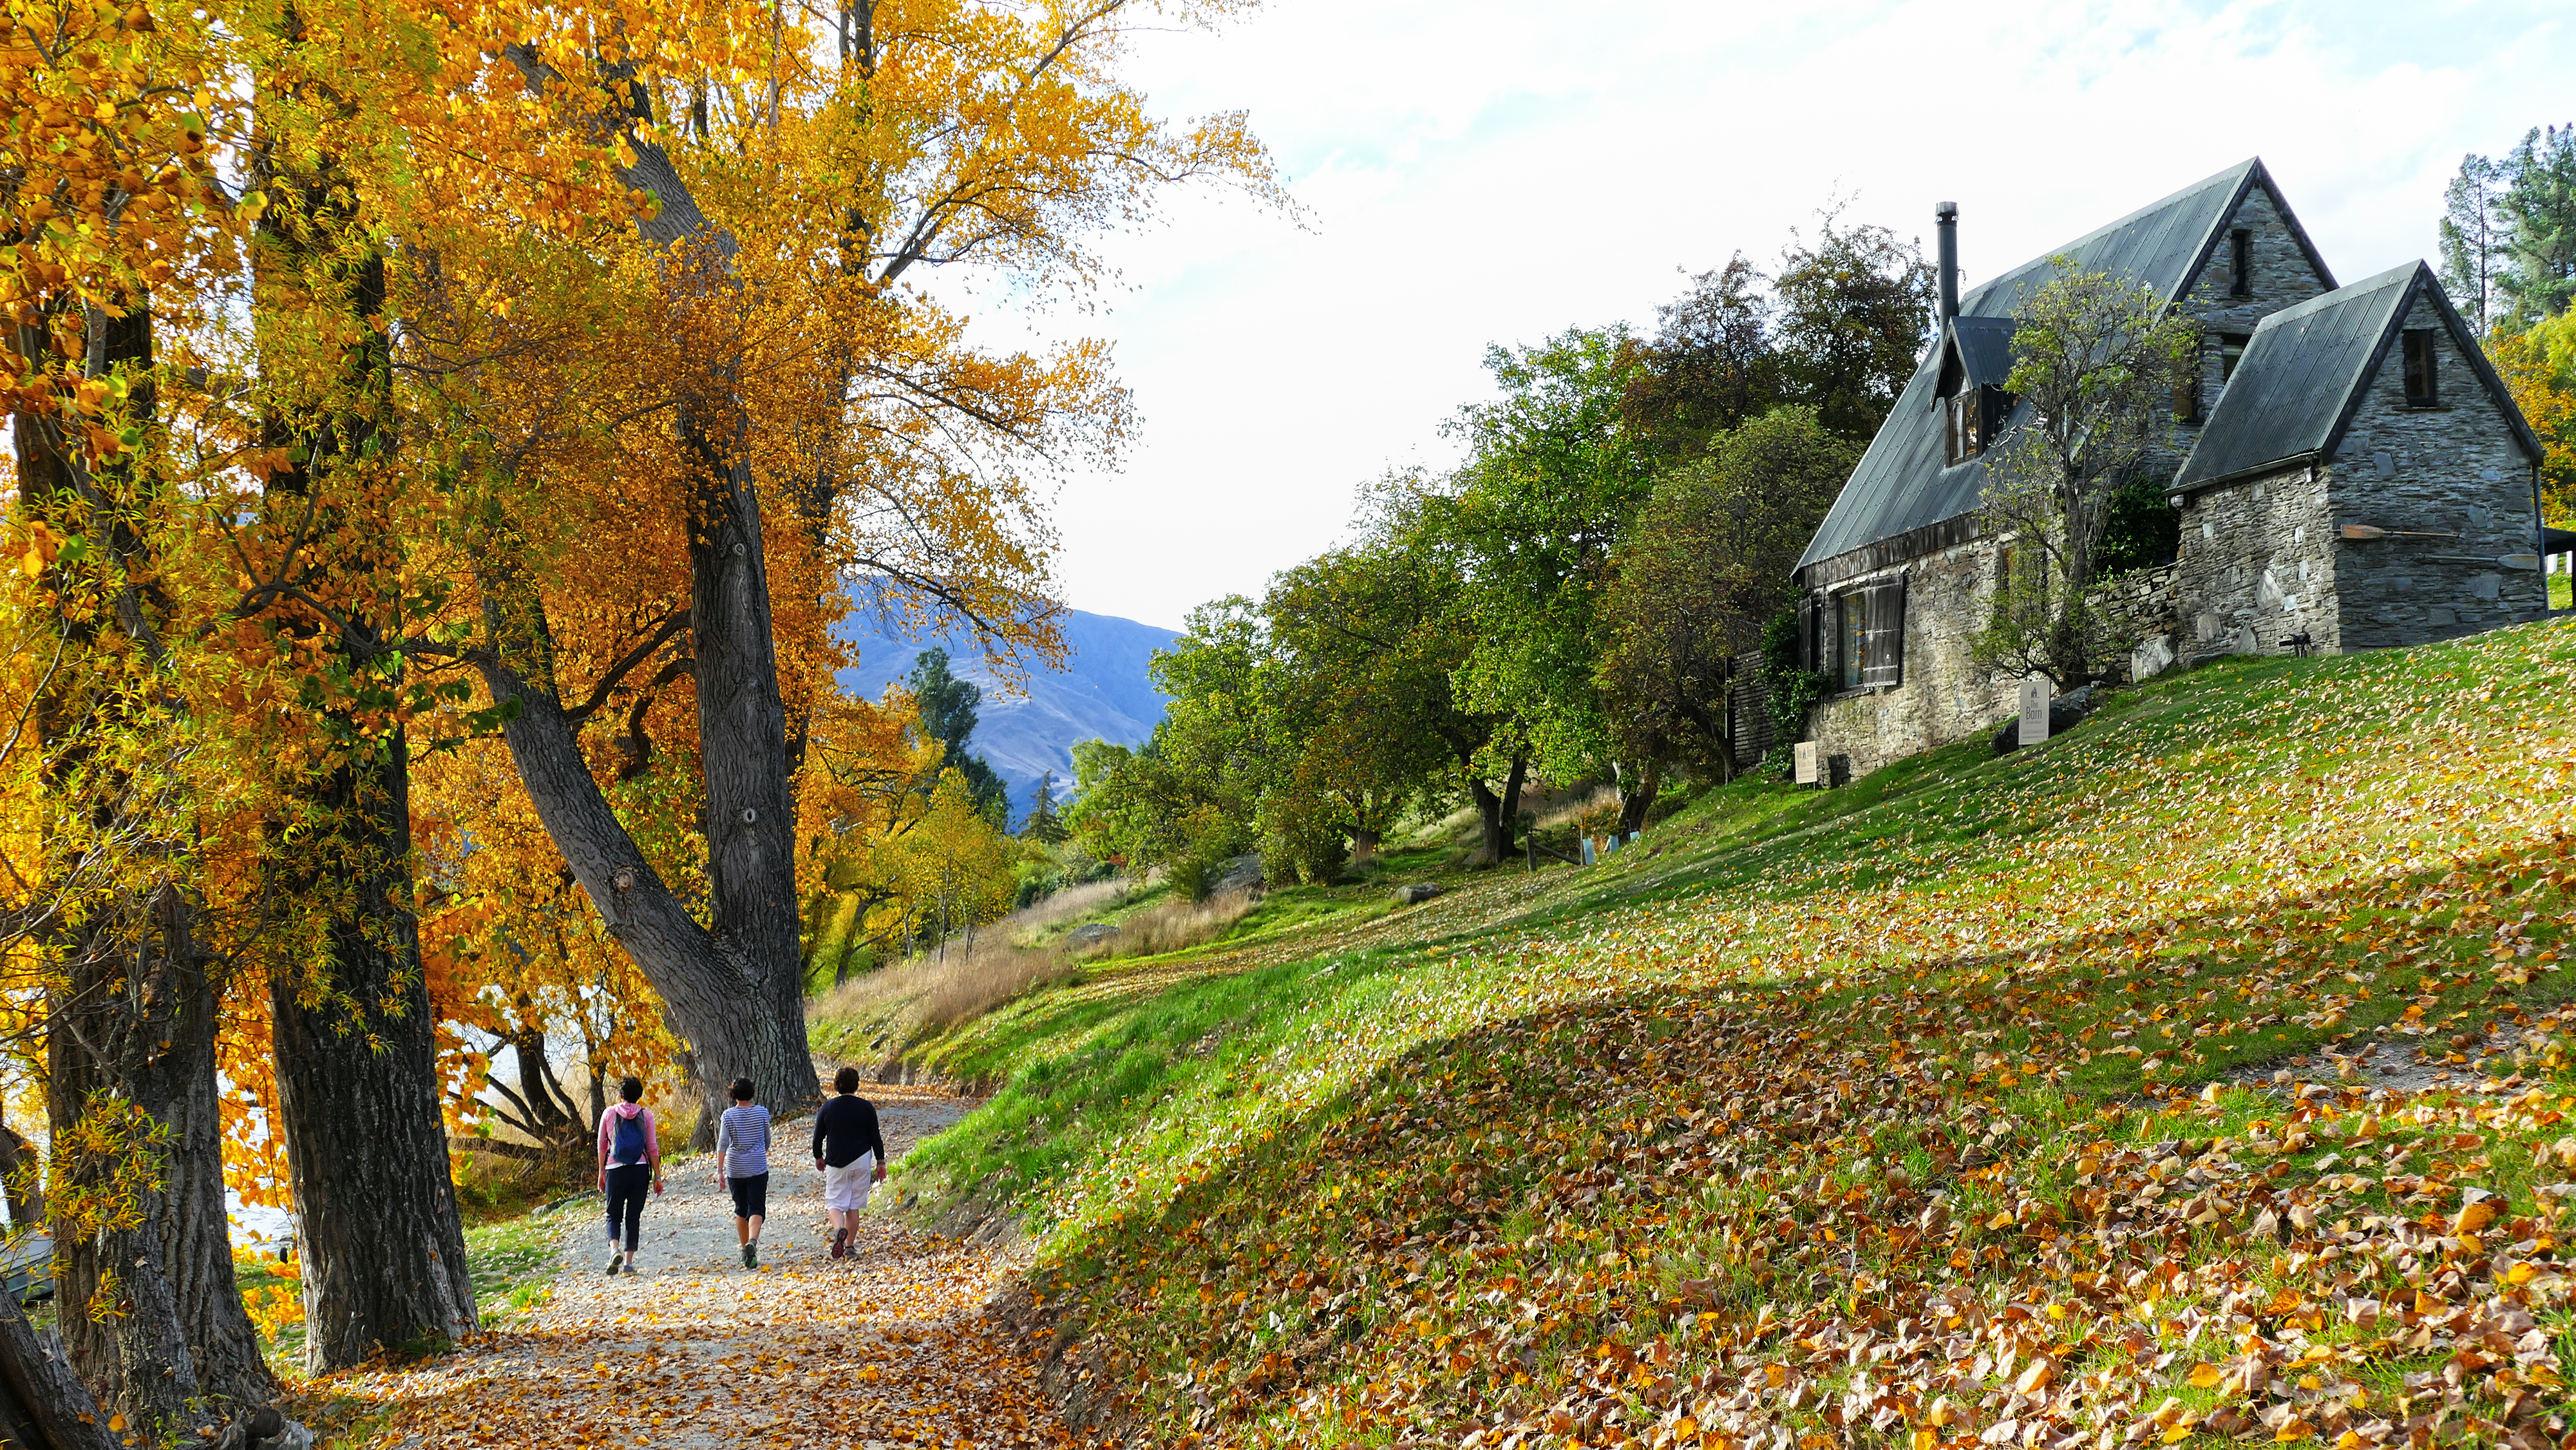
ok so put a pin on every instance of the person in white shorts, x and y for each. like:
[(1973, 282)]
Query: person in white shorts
[(850, 1154)]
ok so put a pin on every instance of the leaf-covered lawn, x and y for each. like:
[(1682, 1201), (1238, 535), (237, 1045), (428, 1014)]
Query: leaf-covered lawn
[(1938, 1110)]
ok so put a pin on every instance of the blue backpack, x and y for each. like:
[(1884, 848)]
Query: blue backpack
[(629, 1146)]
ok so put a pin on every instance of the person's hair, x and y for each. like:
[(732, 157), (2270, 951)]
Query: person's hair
[(741, 1090), (846, 1080), (631, 1089)]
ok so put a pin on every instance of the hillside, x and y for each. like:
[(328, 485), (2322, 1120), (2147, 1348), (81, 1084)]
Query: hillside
[(1029, 729), (2200, 1075)]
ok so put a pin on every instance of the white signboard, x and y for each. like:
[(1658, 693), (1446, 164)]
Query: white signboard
[(2034, 710), (1807, 761)]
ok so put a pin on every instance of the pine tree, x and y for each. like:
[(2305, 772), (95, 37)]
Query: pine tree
[(1045, 824), (2538, 205), (948, 705), (2474, 236)]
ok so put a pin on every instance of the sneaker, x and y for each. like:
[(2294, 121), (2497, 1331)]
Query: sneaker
[(614, 1260), (840, 1242), (751, 1256)]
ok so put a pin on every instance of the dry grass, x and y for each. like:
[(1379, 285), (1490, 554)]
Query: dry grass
[(1171, 925), (937, 990), (930, 993), (1601, 801), (1070, 904)]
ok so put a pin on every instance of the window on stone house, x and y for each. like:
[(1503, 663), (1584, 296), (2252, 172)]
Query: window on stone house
[(1851, 637), (2231, 351), (2186, 397), (2420, 391), (1869, 636), (2240, 263), (1970, 421)]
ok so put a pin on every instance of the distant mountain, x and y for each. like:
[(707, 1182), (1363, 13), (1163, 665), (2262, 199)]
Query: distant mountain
[(1102, 693)]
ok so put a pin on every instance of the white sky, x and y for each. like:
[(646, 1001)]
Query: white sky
[(1500, 170)]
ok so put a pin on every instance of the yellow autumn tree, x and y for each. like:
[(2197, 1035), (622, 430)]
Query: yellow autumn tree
[(2539, 368)]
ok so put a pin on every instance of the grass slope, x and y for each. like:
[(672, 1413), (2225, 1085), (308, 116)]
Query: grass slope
[(1937, 1110)]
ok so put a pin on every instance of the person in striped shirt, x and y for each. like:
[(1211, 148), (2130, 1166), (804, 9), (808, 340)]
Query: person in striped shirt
[(742, 1166)]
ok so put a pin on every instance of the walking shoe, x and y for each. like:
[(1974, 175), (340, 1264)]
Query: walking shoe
[(751, 1256), (614, 1259), (840, 1242)]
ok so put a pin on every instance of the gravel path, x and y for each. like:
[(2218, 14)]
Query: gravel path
[(889, 1348)]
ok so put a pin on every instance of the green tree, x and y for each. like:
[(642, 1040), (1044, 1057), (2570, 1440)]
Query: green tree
[(2539, 208), (1369, 638), (1045, 824), (1710, 365), (1552, 476), (1838, 331), (1853, 307), (948, 707), (1703, 571), (2474, 230), (1188, 798), (2095, 357)]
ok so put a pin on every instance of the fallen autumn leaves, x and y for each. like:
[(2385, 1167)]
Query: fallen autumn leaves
[(889, 1348)]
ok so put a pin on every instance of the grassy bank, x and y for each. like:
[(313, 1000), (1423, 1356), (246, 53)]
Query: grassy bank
[(1936, 1108)]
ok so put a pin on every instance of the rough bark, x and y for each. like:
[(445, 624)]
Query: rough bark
[(366, 1147), (150, 1313), (43, 1404), (706, 986), (742, 726), (358, 1100)]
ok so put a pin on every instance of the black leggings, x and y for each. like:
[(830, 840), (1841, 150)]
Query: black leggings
[(628, 1185)]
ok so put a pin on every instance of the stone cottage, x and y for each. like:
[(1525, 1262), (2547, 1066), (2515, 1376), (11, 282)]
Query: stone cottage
[(2349, 472)]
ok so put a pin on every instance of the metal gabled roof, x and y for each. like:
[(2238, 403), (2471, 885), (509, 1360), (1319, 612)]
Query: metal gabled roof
[(1979, 352), (2307, 368), (1903, 482)]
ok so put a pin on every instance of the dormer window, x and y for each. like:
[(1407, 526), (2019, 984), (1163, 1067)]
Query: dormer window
[(2420, 390), (2240, 263), (1972, 415)]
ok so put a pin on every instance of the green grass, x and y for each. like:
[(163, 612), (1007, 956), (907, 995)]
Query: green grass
[(512, 1261), (1294, 1186)]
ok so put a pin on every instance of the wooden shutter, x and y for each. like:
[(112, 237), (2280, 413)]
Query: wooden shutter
[(1808, 654), (1883, 663)]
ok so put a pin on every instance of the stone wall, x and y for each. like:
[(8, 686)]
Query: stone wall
[(2264, 560), (2281, 276), (2257, 567), (2452, 468), (1943, 695)]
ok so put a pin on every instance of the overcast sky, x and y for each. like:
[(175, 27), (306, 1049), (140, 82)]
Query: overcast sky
[(1497, 171)]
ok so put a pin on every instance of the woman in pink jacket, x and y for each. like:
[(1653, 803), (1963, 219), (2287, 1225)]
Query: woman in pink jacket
[(630, 1156)]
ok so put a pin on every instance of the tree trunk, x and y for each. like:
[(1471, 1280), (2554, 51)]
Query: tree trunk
[(1633, 805), (107, 1087), (358, 1098), (22, 1177), (742, 732), (1364, 843), (1501, 812), (366, 1145), (714, 1001), (43, 1405), (130, 1032)]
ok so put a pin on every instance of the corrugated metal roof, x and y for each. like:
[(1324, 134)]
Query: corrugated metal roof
[(2303, 373), (1902, 482), (1984, 346), (2291, 390)]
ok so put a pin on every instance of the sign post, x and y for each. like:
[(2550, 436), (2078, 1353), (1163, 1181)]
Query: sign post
[(1807, 758), (2035, 695)]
